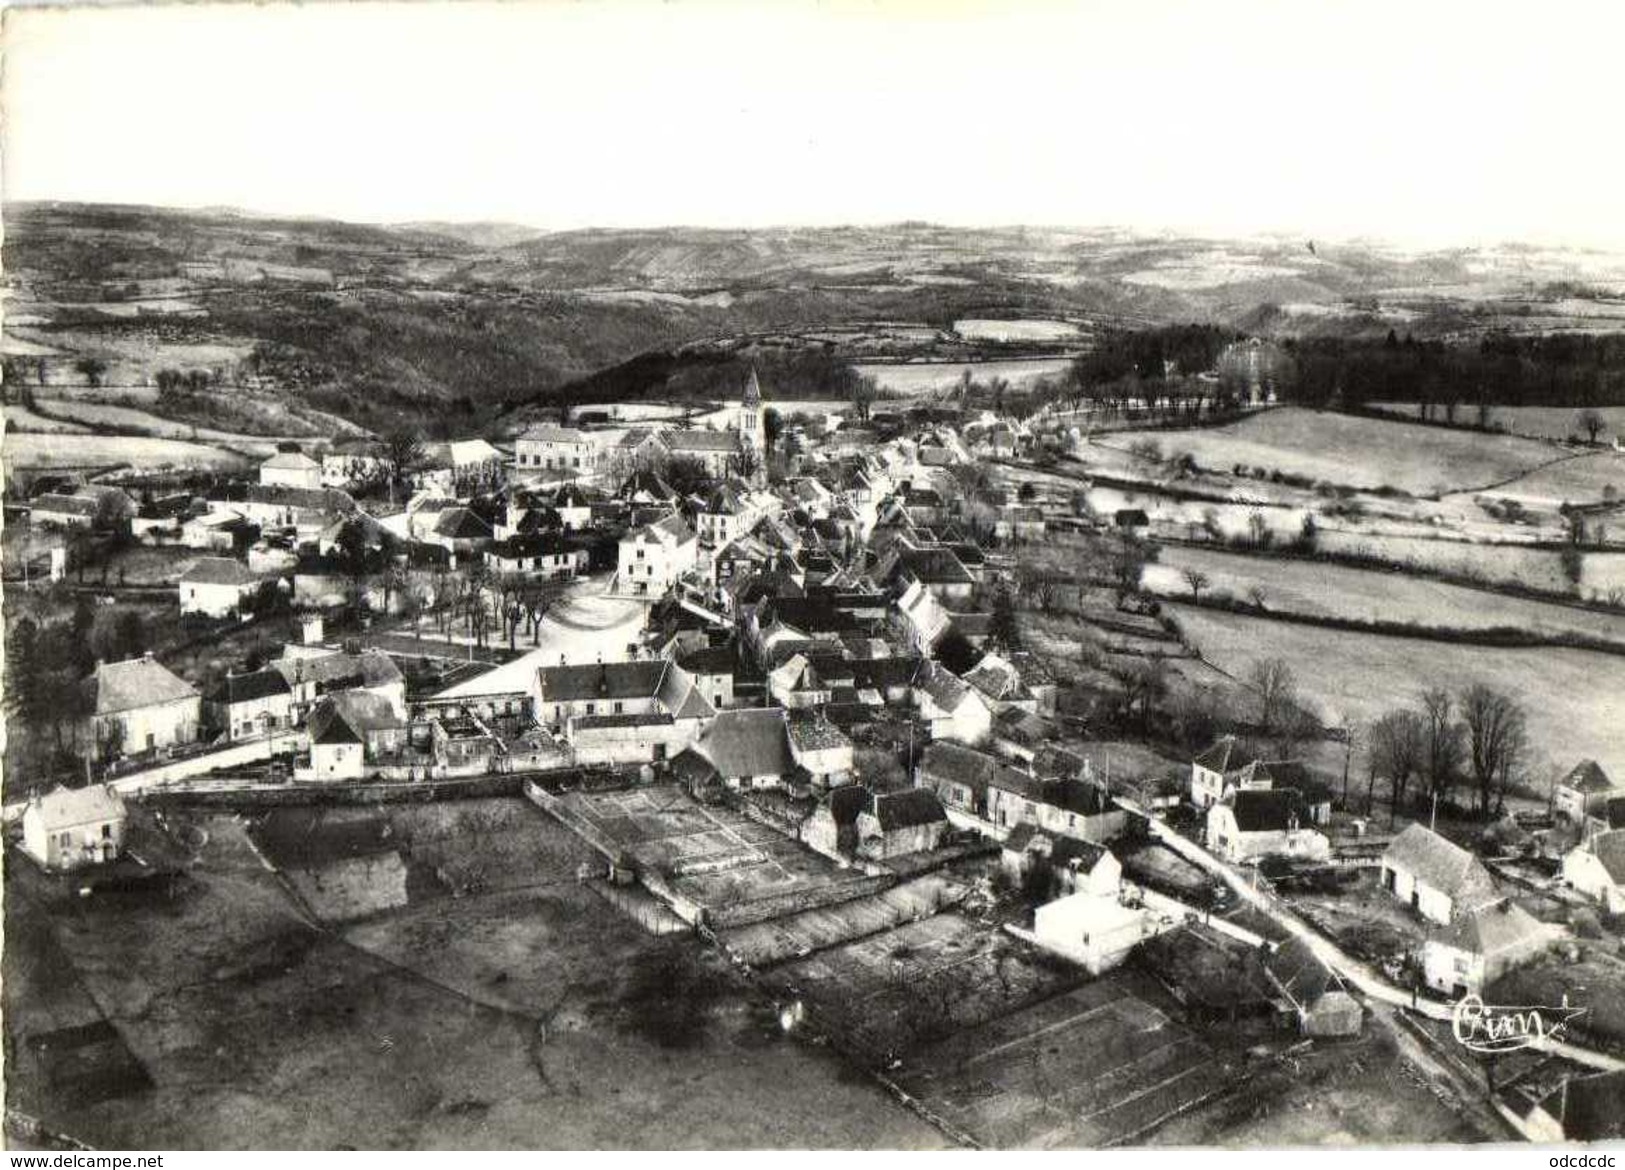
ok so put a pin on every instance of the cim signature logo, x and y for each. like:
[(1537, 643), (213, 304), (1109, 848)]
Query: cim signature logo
[(1481, 1027)]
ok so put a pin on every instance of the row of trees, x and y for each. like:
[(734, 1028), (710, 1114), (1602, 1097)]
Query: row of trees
[(1477, 737)]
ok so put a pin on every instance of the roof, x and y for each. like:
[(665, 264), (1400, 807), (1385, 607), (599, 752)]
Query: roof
[(466, 451), (1439, 863), (710, 660), (944, 688), (646, 482), (846, 801), (135, 683), (348, 716), (684, 442), (814, 734), (63, 808), (954, 763), (1495, 927), (244, 688), (1062, 849), (461, 524), (1224, 756), (1266, 810), (604, 680), (1588, 776), (1296, 971), (996, 678), (65, 505), (370, 668), (673, 528), (1610, 850), (218, 571), (905, 809), (750, 742), (291, 461), (550, 433), (284, 495), (934, 566)]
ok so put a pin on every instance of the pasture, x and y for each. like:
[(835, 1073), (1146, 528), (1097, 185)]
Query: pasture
[(914, 378), (66, 451), (1338, 591), (1535, 422), (982, 329), (1356, 452), (1580, 479), (1575, 699)]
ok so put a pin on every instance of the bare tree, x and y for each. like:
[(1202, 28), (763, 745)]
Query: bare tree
[(1441, 741), (1591, 419), (1198, 581), (1493, 726), (1396, 753), (1272, 680)]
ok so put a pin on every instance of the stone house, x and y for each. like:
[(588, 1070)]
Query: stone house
[(69, 828), (1435, 877)]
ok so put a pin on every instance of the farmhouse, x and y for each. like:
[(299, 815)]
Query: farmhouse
[(1067, 864), (138, 706), (549, 556), (1224, 769), (250, 704), (217, 587), (1436, 878), (321, 671), (1264, 823), (892, 824), (954, 709), (1597, 869), (69, 828), (1482, 944), (1074, 807), (820, 750), (961, 776), (1586, 789), (749, 748), (348, 732)]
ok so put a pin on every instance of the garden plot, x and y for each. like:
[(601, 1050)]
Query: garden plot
[(1099, 1065), (765, 943), (890, 993), (1358, 452)]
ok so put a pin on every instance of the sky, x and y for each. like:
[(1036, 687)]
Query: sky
[(1436, 123)]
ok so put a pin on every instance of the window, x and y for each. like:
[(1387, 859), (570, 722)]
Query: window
[(1461, 966), (617, 706), (640, 554), (592, 708), (107, 832)]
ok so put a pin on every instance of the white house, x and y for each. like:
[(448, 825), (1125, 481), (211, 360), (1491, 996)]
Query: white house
[(68, 828), (1597, 870), (1223, 770), (1264, 823), (954, 709), (821, 750), (547, 447), (250, 704), (1436, 877), (654, 557), (1095, 930), (349, 731), (138, 705), (1482, 944), (291, 469), (217, 587), (1584, 790)]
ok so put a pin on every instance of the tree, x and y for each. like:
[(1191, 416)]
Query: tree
[(1005, 633), (955, 652), (772, 428), (1592, 421), (864, 390), (1396, 753), (27, 693), (1441, 742), (1198, 581), (1145, 684), (1493, 726), (92, 368), (686, 475), (1273, 682), (403, 454)]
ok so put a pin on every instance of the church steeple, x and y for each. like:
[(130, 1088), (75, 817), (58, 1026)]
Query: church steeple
[(753, 389)]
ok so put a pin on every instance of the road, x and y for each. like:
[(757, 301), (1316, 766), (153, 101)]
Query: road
[(1356, 973)]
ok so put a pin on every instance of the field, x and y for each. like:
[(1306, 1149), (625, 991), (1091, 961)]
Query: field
[(1531, 568), (1357, 452), (981, 329), (910, 378), (1537, 422), (27, 451), (1578, 479), (1573, 697), (526, 1019), (1328, 590)]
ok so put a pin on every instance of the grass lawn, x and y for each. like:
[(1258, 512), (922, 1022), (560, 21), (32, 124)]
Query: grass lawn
[(1356, 452)]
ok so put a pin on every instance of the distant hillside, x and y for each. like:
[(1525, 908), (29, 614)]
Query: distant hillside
[(447, 325)]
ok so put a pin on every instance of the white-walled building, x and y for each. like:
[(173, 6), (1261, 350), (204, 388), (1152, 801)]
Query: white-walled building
[(655, 556), (1435, 877), (217, 587), (291, 469), (139, 705), (69, 828)]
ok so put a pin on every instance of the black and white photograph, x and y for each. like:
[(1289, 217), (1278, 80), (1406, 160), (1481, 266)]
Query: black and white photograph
[(866, 575)]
